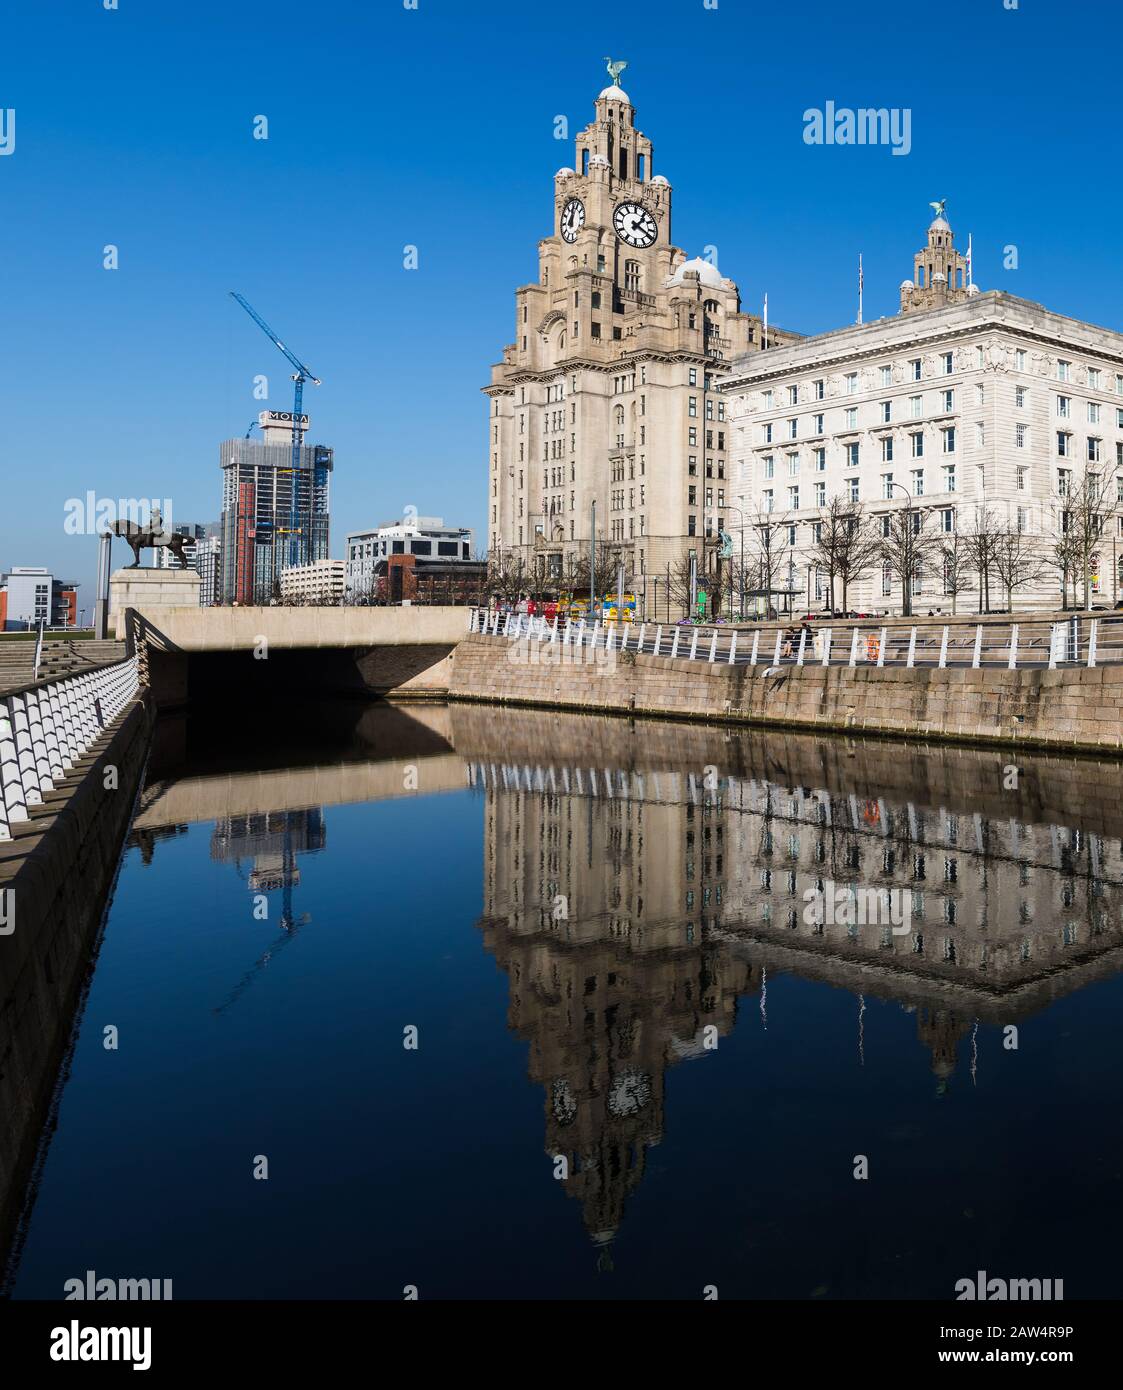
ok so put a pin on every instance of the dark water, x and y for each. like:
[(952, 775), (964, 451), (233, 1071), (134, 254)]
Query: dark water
[(600, 932)]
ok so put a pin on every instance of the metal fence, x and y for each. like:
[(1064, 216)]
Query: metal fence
[(46, 729), (1038, 643)]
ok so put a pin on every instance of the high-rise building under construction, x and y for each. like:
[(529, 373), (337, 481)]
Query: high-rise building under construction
[(262, 531)]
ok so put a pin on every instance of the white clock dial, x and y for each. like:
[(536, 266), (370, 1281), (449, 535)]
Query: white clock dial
[(572, 219), (634, 224)]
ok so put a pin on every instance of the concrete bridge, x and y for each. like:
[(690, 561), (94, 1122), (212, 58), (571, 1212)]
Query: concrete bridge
[(200, 652)]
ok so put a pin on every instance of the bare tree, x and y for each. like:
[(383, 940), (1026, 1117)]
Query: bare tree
[(979, 542), (846, 545), (768, 551), (1017, 561), (1082, 514), (909, 544), (506, 576), (956, 567)]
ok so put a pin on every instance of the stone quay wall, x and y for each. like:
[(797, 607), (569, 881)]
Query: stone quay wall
[(1073, 708), (57, 871)]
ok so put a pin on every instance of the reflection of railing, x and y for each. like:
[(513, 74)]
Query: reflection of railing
[(47, 728), (1078, 641)]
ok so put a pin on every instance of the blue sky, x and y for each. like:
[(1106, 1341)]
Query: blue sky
[(435, 127)]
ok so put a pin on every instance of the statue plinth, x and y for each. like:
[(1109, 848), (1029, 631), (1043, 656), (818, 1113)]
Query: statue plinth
[(149, 591)]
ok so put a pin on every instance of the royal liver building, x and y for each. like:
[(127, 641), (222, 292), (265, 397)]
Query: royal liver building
[(607, 395)]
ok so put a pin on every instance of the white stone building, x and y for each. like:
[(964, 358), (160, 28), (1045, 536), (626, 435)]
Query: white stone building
[(426, 537), (321, 582), (966, 405)]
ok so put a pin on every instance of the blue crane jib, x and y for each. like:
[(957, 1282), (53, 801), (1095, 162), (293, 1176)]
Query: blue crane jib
[(300, 376)]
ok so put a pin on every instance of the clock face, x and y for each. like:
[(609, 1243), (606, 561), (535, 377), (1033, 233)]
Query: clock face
[(634, 224), (572, 219)]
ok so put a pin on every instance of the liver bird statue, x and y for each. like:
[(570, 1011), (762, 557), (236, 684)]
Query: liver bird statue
[(614, 70)]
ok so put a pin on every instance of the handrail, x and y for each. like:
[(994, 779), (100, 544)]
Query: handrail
[(1079, 640), (49, 725)]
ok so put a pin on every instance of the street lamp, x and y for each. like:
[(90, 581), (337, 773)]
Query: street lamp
[(906, 578)]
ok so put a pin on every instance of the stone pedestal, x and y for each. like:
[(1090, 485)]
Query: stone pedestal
[(149, 591)]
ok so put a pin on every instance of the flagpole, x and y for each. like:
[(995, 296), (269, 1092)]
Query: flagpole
[(970, 263), (765, 340), (861, 285)]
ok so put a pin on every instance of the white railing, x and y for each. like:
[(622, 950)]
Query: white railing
[(1080, 640), (45, 730)]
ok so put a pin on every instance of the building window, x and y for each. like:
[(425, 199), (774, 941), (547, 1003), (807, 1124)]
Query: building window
[(886, 412), (1064, 479), (768, 434), (1063, 369), (769, 499), (915, 364), (949, 439), (916, 407), (793, 465), (917, 445), (820, 494), (793, 395), (854, 489), (793, 499), (1093, 413), (691, 525), (1064, 407), (853, 455), (1063, 450), (887, 450), (769, 465), (947, 519), (820, 460), (852, 418), (886, 375), (1023, 477), (692, 406), (816, 424), (949, 363), (1021, 433), (949, 477), (1093, 451), (980, 436), (947, 401), (887, 486), (851, 383), (918, 482)]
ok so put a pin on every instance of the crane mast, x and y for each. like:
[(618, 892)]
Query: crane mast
[(297, 548)]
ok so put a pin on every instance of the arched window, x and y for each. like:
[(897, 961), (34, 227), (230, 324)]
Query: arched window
[(631, 275)]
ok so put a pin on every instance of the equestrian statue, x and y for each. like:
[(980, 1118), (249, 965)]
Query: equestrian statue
[(148, 537)]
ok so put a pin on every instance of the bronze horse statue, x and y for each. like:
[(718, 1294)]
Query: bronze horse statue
[(140, 539)]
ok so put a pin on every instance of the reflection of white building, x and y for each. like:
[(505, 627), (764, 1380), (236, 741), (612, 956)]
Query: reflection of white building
[(964, 404), (426, 537)]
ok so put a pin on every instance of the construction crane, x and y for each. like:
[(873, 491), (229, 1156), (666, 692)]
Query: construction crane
[(300, 376), (253, 426)]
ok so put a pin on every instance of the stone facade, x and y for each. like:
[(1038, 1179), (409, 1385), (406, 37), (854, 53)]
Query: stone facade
[(1071, 708), (607, 394), (968, 407)]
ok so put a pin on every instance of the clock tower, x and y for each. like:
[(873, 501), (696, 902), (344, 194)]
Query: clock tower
[(607, 395)]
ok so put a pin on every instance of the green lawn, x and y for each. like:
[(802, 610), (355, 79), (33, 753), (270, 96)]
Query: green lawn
[(78, 634)]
